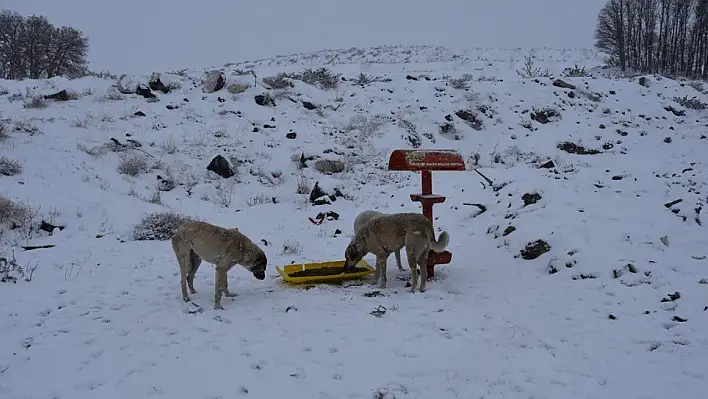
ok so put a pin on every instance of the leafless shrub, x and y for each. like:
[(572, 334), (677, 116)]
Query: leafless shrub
[(279, 81), (329, 166), (291, 247), (16, 215), (575, 72), (26, 126), (4, 90), (159, 226), (363, 79), (461, 83), (303, 186), (133, 165), (691, 103), (81, 122), (9, 167), (4, 132), (225, 192), (259, 199), (169, 146), (10, 271), (35, 102), (530, 70)]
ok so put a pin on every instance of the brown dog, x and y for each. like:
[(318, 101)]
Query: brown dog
[(386, 234), (194, 241)]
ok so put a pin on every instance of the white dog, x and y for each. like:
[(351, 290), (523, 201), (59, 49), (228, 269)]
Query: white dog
[(364, 217)]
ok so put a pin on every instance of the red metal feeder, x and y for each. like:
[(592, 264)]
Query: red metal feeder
[(426, 161)]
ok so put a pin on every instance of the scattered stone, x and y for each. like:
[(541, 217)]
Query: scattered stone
[(308, 105), (471, 118), (156, 84), (291, 135), (544, 115), (171, 107), (672, 203), (535, 249), (508, 231), (676, 112), (221, 167), (448, 118), (215, 81), (165, 184), (667, 140), (671, 297), (679, 319), (572, 148), (144, 91), (61, 96), (612, 92), (409, 77), (548, 165), (644, 81), (49, 228), (617, 177), (531, 198), (139, 113), (612, 317), (563, 85), (264, 100)]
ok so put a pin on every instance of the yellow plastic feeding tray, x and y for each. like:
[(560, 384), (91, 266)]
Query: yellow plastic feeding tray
[(287, 272)]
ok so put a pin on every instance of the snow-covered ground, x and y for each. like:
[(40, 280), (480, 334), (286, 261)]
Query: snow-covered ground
[(597, 316)]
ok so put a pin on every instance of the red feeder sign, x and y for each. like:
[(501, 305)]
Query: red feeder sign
[(426, 161)]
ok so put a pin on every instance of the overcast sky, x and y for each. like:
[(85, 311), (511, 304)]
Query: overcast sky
[(144, 35)]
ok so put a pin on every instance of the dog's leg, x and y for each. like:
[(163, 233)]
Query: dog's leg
[(423, 263), (381, 267), (219, 286), (228, 293), (398, 260), (411, 255), (195, 260), (377, 273), (184, 264)]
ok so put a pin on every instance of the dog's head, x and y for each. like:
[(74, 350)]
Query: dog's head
[(352, 255), (258, 265)]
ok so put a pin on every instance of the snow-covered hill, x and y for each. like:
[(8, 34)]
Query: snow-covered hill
[(615, 307)]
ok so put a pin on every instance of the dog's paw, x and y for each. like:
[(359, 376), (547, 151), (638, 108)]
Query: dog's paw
[(218, 307), (230, 294)]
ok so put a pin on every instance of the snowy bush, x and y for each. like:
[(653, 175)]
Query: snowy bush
[(35, 102), (279, 81), (158, 226), (691, 103), (4, 132), (321, 77), (9, 167), (133, 165), (14, 214)]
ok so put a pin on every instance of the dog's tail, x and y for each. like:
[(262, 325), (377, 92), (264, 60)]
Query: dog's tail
[(440, 244)]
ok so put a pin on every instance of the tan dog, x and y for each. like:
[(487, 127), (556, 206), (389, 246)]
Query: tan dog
[(194, 241), (386, 234), (364, 217)]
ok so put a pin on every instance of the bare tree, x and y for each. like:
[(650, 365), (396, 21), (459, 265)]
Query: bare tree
[(655, 36), (11, 57), (32, 47)]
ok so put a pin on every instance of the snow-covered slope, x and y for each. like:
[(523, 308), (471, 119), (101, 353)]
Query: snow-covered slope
[(615, 308)]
